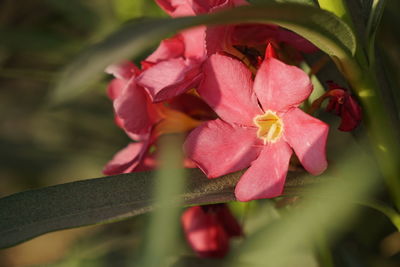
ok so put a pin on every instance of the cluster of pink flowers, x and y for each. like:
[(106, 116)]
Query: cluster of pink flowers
[(230, 89)]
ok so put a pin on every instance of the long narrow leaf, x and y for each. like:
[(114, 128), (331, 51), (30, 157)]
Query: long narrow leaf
[(28, 214), (372, 27), (322, 28)]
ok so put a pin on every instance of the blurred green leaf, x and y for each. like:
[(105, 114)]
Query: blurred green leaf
[(128, 9), (157, 245), (304, 2), (38, 40), (327, 208), (372, 27), (322, 28), (28, 214), (388, 211)]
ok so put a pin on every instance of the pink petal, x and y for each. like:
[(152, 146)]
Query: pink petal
[(254, 34), (194, 40), (279, 86), (270, 51), (219, 148), (206, 6), (177, 8), (124, 70), (348, 122), (228, 221), (142, 137), (126, 159), (115, 87), (227, 88), (168, 48), (188, 163), (240, 2), (351, 114), (170, 78), (204, 233), (307, 136), (211, 6), (134, 108), (266, 176), (296, 41), (147, 163), (193, 106), (218, 38)]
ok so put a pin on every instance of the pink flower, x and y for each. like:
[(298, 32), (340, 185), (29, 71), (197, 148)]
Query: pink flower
[(256, 34), (179, 8), (134, 111), (259, 126), (175, 66), (138, 156), (252, 37), (208, 229), (134, 157), (144, 121), (344, 105)]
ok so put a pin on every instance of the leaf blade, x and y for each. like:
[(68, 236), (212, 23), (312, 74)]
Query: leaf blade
[(32, 213), (324, 29)]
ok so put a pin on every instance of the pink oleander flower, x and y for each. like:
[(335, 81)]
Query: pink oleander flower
[(134, 157), (175, 66), (134, 111), (208, 229), (260, 123), (138, 156), (180, 8), (253, 37), (342, 104), (144, 121)]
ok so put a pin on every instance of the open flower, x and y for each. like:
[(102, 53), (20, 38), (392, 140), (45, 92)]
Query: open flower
[(259, 126), (229, 37), (175, 66), (208, 229), (134, 111), (144, 121)]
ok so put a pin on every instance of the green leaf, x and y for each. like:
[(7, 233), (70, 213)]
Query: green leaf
[(28, 214), (304, 2), (327, 208), (372, 27), (170, 181), (322, 28)]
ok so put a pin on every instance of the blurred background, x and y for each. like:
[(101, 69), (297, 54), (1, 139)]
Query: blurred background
[(42, 146)]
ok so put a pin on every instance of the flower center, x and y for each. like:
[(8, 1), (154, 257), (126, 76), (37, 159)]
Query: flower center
[(270, 127)]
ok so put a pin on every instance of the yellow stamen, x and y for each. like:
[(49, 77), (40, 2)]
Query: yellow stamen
[(270, 127)]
